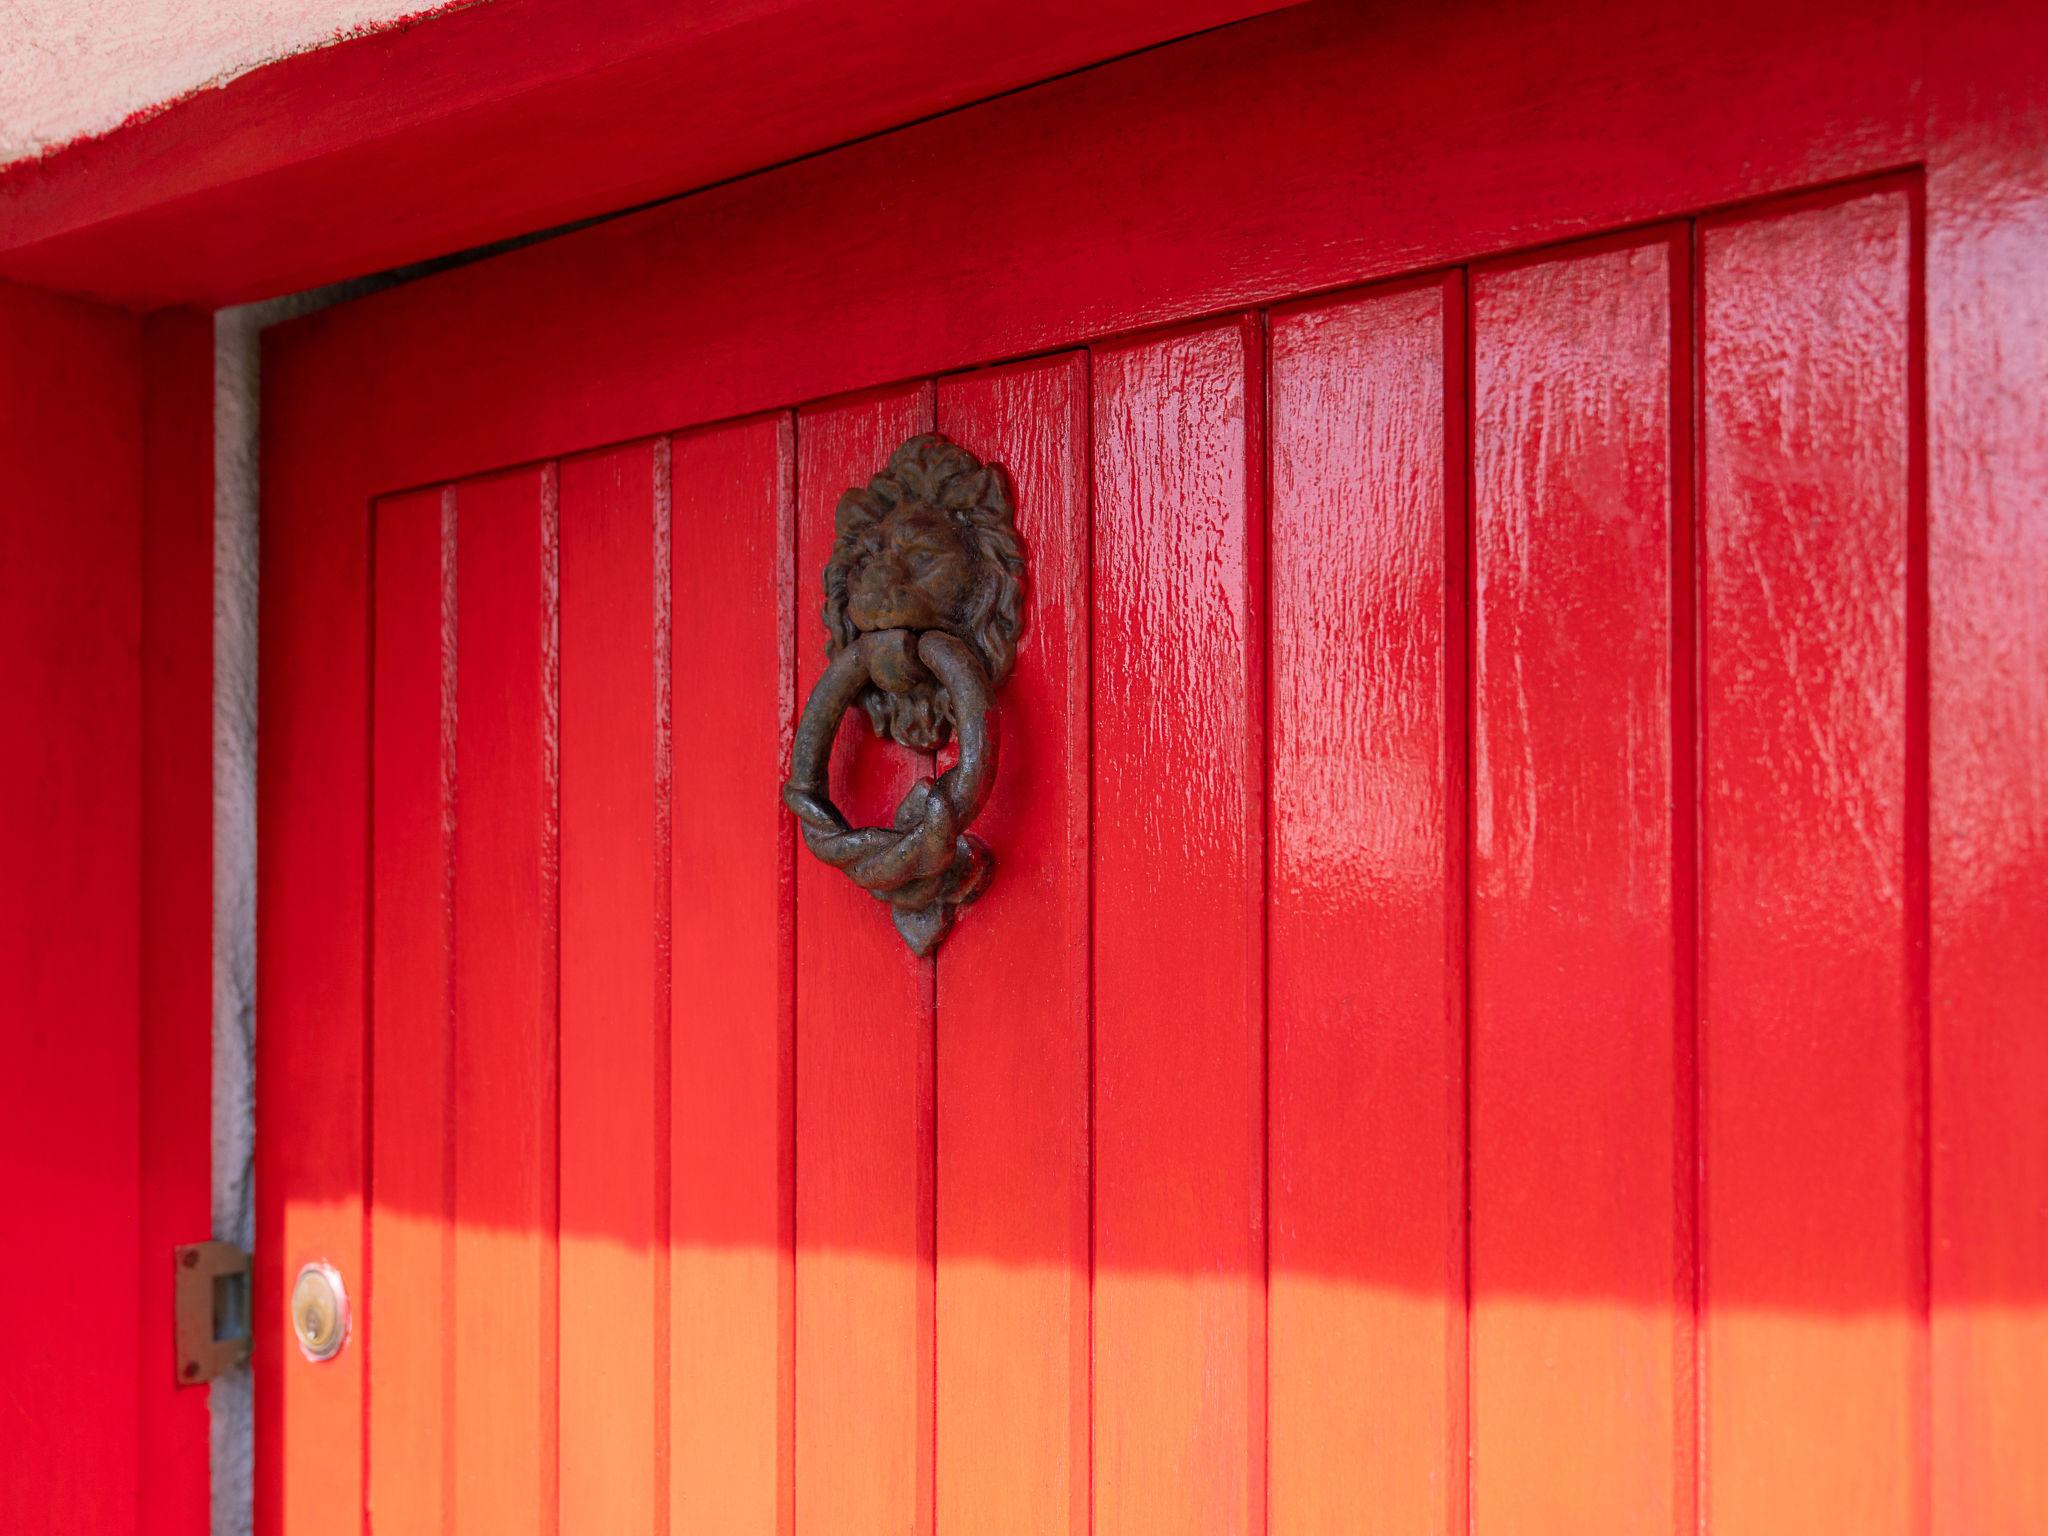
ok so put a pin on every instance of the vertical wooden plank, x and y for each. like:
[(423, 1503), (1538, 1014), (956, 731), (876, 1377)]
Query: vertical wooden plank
[(1812, 1227), (313, 937), (1180, 1348), (614, 1014), (1013, 1068), (505, 1006), (71, 598), (1367, 1321), (411, 988), (1581, 1261), (864, 1115), (733, 1000), (1987, 552), (176, 1063)]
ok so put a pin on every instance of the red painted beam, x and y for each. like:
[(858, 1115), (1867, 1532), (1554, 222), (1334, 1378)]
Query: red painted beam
[(175, 868), (106, 622), (70, 792), (494, 120)]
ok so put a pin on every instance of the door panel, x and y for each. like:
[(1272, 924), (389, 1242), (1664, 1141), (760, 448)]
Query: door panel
[(1366, 1086), (732, 1001), (1013, 1056), (1813, 799), (864, 1088), (987, 1239), (1448, 1043), (506, 849), (614, 1014), (1580, 1117), (412, 1039), (1179, 966)]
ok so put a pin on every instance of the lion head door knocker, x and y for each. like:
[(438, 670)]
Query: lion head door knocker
[(924, 600)]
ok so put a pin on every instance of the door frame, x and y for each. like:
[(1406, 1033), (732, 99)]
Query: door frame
[(783, 289), (365, 154)]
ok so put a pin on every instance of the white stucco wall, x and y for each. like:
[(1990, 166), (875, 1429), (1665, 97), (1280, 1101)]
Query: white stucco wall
[(237, 336), (73, 68)]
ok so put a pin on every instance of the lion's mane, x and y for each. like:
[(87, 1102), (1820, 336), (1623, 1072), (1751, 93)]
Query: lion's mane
[(932, 470)]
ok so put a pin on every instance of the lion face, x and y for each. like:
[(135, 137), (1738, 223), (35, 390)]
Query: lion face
[(916, 571), (930, 543)]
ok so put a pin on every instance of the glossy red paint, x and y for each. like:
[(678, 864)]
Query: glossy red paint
[(786, 287), (865, 1101), (1633, 1181), (613, 921), (505, 1069), (313, 929), (70, 794), (486, 122), (105, 913), (175, 1063), (733, 982), (1987, 616), (412, 1028), (1179, 712), (1580, 1102), (1366, 1085), (1013, 1060), (1813, 1024)]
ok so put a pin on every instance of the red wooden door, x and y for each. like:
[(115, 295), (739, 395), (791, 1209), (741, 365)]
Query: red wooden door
[(1489, 1016)]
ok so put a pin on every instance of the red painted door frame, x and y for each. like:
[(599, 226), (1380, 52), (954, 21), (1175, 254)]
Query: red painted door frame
[(1164, 207), (475, 123), (105, 948)]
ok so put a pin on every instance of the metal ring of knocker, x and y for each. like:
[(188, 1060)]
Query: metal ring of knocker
[(924, 605), (926, 865)]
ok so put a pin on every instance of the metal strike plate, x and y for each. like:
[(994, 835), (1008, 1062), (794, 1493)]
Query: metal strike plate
[(211, 1291)]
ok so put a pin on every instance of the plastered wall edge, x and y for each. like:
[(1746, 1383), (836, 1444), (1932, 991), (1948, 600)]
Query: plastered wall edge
[(237, 525)]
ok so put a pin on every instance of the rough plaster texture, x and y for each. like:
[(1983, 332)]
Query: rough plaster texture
[(73, 68), (236, 333)]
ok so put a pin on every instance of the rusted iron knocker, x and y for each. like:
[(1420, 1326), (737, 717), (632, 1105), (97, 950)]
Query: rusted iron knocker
[(923, 608)]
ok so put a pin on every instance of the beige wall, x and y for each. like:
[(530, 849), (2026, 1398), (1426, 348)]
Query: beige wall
[(73, 68)]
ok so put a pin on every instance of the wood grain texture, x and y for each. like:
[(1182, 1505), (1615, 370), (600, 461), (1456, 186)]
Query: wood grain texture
[(614, 1360), (864, 1085), (408, 1307), (71, 796), (1013, 1059), (1180, 1347), (1813, 1228), (732, 999), (504, 1310), (1366, 1089), (1581, 1255)]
